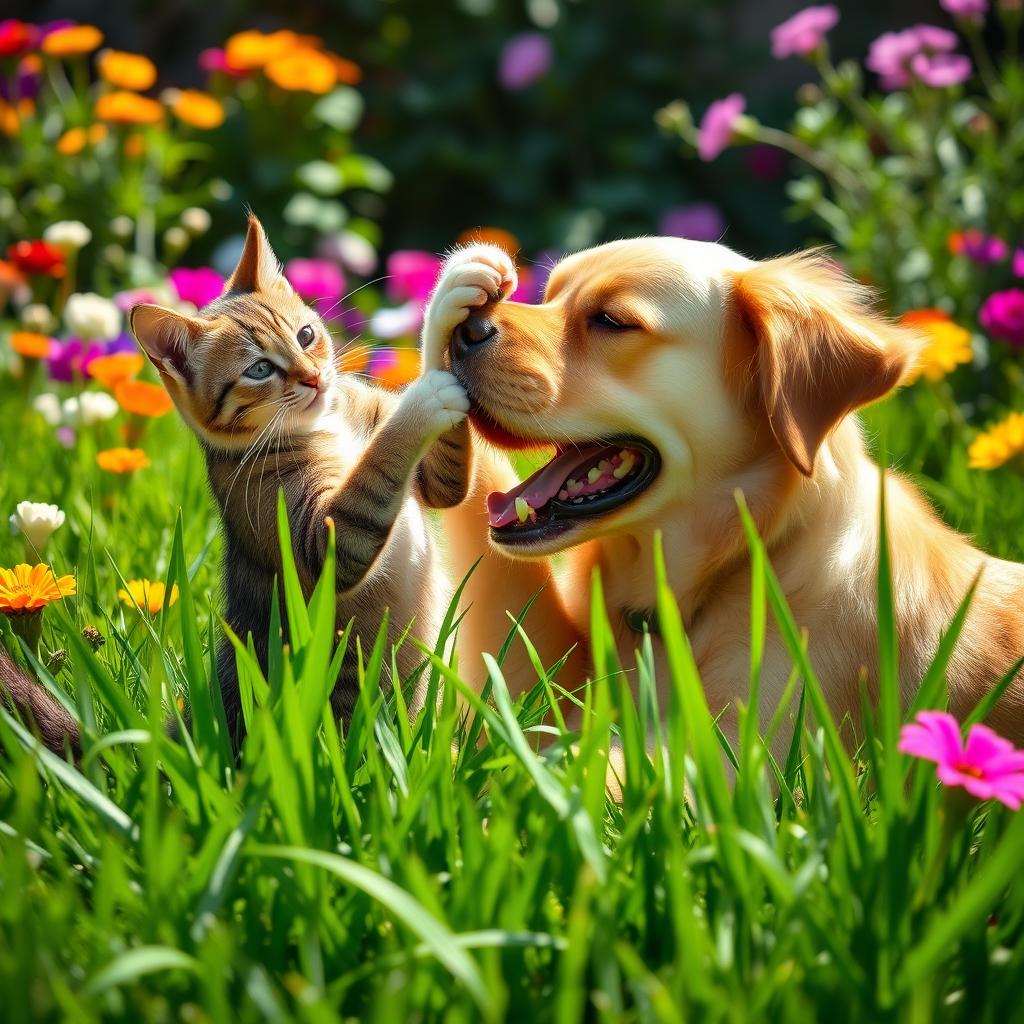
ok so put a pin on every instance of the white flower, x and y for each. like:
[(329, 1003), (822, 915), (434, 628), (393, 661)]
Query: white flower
[(122, 226), (195, 220), (48, 406), (38, 317), (357, 254), (91, 317), (69, 235), (176, 238), (37, 521), (70, 411), (96, 407)]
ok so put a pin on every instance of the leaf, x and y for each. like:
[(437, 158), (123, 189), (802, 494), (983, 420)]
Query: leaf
[(136, 963)]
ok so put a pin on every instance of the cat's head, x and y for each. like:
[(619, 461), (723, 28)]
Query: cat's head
[(253, 363)]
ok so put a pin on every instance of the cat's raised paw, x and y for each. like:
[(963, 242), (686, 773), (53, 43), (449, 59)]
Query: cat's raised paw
[(438, 401)]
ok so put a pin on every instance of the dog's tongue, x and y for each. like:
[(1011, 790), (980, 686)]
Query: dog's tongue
[(539, 489)]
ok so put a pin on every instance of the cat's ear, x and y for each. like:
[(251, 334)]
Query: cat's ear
[(167, 338), (258, 268)]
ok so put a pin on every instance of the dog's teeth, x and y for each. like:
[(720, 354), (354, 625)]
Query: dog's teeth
[(624, 467), (604, 465), (563, 494), (577, 501), (573, 486), (523, 509), (593, 476)]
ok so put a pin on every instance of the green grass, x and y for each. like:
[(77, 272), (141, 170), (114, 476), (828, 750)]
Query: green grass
[(455, 868)]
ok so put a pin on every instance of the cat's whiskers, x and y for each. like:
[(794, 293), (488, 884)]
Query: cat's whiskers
[(278, 415), (251, 449)]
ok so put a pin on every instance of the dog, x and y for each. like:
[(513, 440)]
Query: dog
[(669, 374)]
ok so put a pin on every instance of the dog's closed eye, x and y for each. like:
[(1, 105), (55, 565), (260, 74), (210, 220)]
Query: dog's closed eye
[(605, 321)]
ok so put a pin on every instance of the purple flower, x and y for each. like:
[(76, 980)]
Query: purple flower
[(716, 127), (66, 437), (965, 8), (804, 32), (702, 222), (122, 343), (71, 358), (411, 274), (1002, 316), (940, 70), (318, 281), (525, 58), (891, 54), (1018, 262), (980, 248), (26, 86), (198, 285)]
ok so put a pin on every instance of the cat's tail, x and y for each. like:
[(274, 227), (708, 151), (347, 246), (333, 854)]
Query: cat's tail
[(28, 699)]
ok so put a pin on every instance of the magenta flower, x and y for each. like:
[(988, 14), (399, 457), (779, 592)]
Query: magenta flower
[(318, 281), (980, 248), (1002, 316), (198, 285), (717, 125), (804, 32), (1018, 262), (891, 54), (702, 222), (525, 58), (965, 8), (411, 274), (70, 359), (987, 766), (940, 70)]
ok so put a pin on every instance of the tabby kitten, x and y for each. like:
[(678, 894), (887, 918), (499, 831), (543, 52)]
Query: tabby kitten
[(254, 374)]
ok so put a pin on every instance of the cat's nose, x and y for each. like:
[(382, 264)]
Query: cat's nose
[(312, 382), (473, 332)]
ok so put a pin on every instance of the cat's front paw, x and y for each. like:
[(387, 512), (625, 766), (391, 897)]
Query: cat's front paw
[(470, 278), (437, 402)]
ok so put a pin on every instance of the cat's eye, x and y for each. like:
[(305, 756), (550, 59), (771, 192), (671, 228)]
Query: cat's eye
[(260, 370), (305, 336)]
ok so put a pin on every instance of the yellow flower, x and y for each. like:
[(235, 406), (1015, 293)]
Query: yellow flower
[(303, 70), (147, 595), (30, 345), (142, 398), (126, 70), (947, 345), (127, 108), (122, 460), (998, 444), (27, 588), (74, 140), (199, 109), (109, 371), (73, 41), (252, 49)]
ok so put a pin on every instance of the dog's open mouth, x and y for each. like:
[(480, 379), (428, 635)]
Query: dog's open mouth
[(582, 481)]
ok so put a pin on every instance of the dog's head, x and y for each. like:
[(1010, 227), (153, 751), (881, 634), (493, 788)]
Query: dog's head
[(659, 368)]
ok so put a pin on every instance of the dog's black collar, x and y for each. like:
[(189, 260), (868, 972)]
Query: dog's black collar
[(641, 621)]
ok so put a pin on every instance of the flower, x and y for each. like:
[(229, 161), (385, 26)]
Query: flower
[(319, 281), (1002, 316), (700, 221), (95, 407), (198, 285), (940, 70), (147, 595), (947, 345), (302, 70), (68, 235), (30, 345), (72, 41), (122, 460), (1017, 265), (126, 70), (142, 399), (16, 37), (48, 406), (717, 125), (109, 371), (37, 258), (395, 367), (348, 72), (13, 284), (891, 54), (978, 247), (36, 521), (412, 274), (965, 8), (128, 108), (246, 51), (987, 765), (38, 318), (194, 107), (214, 60), (997, 445), (90, 316), (524, 58), (28, 588), (804, 32), (70, 358), (74, 140), (25, 83), (195, 220)]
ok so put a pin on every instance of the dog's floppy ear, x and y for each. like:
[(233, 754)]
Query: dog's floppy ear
[(820, 352)]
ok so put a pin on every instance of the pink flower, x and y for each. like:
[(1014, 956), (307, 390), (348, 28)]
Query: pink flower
[(525, 58), (978, 247), (1018, 262), (804, 32), (940, 70), (702, 222), (411, 274), (198, 285), (891, 54), (965, 8), (318, 281), (716, 127), (987, 766), (1002, 316)]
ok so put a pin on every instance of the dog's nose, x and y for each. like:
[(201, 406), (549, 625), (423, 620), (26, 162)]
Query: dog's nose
[(472, 333)]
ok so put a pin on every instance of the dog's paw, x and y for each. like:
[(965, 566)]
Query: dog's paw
[(470, 278), (436, 402)]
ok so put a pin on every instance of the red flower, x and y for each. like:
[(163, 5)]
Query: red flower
[(16, 37), (37, 258)]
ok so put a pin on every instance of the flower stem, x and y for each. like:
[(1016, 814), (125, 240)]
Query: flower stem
[(827, 165), (986, 68)]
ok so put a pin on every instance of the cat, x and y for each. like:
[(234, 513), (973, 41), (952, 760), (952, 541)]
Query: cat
[(256, 377)]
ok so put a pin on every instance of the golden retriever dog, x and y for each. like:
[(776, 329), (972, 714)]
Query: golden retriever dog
[(668, 374)]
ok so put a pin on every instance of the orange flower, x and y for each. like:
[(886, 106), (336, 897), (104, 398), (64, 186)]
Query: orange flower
[(74, 140), (404, 368), (147, 595), (141, 398), (11, 116), (128, 108), (73, 41), (122, 460), (303, 70), (346, 71), (30, 345), (252, 49), (27, 588), (126, 70), (495, 236), (109, 371), (199, 109), (134, 145)]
